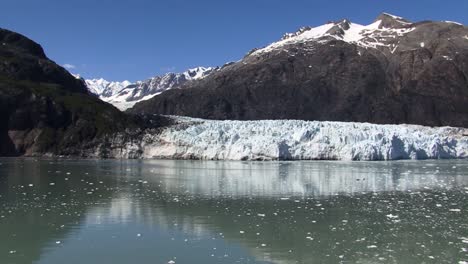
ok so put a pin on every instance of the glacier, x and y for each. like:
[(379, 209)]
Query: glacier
[(104, 88), (126, 94), (191, 138)]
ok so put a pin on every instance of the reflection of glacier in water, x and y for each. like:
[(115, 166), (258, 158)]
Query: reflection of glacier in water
[(307, 179), (251, 212), (125, 210), (201, 200)]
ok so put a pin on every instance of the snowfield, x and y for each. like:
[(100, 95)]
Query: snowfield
[(124, 95), (366, 36), (297, 140)]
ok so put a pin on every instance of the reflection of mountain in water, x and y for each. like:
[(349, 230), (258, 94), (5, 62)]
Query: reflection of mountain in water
[(221, 199), (40, 204), (207, 198)]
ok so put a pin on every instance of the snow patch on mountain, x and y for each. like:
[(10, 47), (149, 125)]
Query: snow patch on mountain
[(393, 16), (144, 90), (123, 102), (453, 22), (374, 35), (104, 88), (298, 140), (124, 95), (300, 36)]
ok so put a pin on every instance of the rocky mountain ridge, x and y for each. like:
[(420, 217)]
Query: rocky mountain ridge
[(125, 94), (390, 71), (104, 88)]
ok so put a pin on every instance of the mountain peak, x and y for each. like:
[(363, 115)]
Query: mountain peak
[(392, 21), (12, 39), (198, 72), (125, 94), (297, 33), (339, 28)]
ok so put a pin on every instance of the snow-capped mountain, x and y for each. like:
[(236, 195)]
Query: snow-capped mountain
[(383, 33), (144, 90), (125, 94), (389, 71), (104, 88)]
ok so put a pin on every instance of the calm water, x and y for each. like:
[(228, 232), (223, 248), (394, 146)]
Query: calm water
[(55, 212)]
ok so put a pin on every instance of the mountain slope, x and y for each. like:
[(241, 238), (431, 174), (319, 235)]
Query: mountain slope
[(43, 108), (391, 71), (124, 94), (104, 88)]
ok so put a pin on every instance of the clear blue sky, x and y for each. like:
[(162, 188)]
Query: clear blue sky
[(137, 39)]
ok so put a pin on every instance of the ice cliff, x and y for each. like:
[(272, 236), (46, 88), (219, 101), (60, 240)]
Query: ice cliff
[(294, 140)]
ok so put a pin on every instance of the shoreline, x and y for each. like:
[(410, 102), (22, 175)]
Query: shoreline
[(279, 140)]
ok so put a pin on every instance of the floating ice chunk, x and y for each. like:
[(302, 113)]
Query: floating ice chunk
[(392, 216)]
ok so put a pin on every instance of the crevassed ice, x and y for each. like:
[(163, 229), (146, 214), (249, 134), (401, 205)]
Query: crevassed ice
[(294, 139)]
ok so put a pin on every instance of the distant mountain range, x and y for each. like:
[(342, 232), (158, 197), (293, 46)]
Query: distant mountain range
[(390, 71), (125, 94)]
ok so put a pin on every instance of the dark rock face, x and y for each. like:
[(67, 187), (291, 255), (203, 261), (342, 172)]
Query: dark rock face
[(398, 72), (44, 109), (23, 59)]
